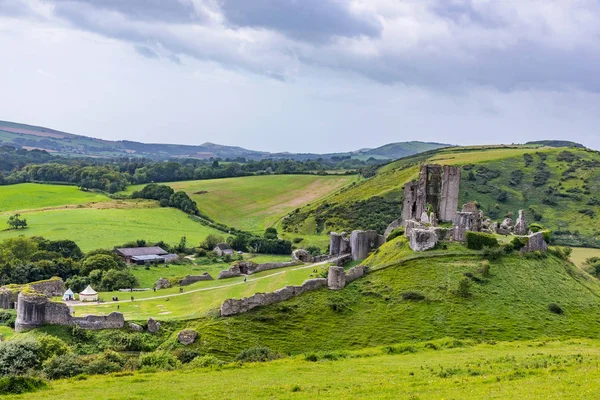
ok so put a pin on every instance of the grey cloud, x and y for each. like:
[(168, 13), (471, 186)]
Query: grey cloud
[(438, 44), (309, 20), (146, 51), (14, 8), (171, 11)]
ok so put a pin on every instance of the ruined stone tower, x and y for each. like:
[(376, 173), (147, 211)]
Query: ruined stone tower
[(438, 186)]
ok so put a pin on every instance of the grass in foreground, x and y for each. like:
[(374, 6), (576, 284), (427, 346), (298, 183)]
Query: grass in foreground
[(439, 369), (105, 228)]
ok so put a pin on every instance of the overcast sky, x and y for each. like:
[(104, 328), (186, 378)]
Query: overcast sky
[(304, 75)]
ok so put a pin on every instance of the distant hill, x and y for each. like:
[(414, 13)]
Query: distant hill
[(68, 144)]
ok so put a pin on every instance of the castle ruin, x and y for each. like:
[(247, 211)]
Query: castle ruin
[(438, 186)]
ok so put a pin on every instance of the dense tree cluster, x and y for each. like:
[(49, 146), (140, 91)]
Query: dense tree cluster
[(24, 260), (167, 197), (115, 174)]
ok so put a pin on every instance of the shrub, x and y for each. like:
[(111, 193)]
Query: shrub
[(477, 240), (312, 357), (548, 236), (19, 356), (187, 355), (206, 362), (257, 354), (535, 227), (484, 268), (161, 360), (464, 288), (492, 253), (404, 349), (21, 384), (518, 243), (314, 250), (297, 240), (63, 366), (555, 308), (394, 234), (414, 296), (101, 366)]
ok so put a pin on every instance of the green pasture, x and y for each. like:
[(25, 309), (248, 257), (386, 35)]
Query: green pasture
[(580, 255), (105, 228), (30, 196), (255, 203), (443, 369), (199, 298), (148, 275)]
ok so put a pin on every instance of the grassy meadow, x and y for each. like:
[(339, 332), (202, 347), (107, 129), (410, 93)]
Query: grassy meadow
[(199, 298), (443, 369), (94, 228), (30, 196), (255, 203)]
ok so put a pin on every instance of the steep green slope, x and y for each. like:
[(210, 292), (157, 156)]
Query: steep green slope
[(509, 304)]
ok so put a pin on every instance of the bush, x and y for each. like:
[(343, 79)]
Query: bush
[(101, 366), (492, 253), (477, 240), (19, 356), (535, 227), (394, 234), (161, 360), (484, 268), (555, 308), (63, 366), (314, 251), (21, 384), (414, 296), (404, 349), (257, 354), (50, 346), (464, 288), (187, 355), (518, 243), (206, 362)]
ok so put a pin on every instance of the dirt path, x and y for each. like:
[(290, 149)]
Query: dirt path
[(205, 289)]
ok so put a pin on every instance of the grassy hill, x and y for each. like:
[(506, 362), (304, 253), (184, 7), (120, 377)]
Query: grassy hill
[(58, 142), (558, 188), (255, 203)]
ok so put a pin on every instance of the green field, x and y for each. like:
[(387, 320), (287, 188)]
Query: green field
[(444, 369), (148, 275), (199, 298), (105, 228), (30, 196), (255, 203)]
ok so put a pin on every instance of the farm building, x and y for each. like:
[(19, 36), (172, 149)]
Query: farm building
[(145, 255), (223, 249), (88, 294)]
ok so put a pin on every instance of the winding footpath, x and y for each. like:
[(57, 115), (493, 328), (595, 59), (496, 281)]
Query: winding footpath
[(209, 288)]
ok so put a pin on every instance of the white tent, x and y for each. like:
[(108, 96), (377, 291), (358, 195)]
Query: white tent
[(69, 295), (88, 294)]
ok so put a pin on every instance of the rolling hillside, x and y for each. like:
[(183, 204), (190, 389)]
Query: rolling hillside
[(58, 142), (557, 187)]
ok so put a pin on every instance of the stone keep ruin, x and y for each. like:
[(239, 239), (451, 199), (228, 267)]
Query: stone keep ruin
[(438, 186), (434, 198)]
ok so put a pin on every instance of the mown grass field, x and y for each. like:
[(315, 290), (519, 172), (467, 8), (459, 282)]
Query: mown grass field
[(105, 228), (443, 369), (580, 255), (255, 203), (148, 275), (30, 196), (199, 298)]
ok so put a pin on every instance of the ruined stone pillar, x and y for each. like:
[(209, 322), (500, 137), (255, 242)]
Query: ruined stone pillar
[(450, 192), (335, 241), (336, 278), (31, 311)]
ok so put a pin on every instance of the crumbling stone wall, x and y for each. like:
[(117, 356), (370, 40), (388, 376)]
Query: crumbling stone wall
[(362, 242), (338, 244), (8, 297), (249, 268), (535, 242), (51, 287), (438, 186), (189, 279), (422, 239), (34, 310), (233, 306), (337, 278)]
